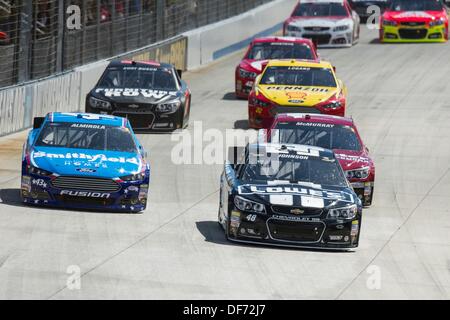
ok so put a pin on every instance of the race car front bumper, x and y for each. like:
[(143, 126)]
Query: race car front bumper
[(41, 191), (294, 231), (327, 38), (394, 34)]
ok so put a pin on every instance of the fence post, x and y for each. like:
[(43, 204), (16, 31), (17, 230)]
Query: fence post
[(26, 20), (60, 36), (160, 17)]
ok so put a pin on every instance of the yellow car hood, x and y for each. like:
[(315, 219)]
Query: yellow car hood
[(297, 95)]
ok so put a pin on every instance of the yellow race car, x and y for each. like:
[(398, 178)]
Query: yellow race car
[(414, 21), (293, 86)]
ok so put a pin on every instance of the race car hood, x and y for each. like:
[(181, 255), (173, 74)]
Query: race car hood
[(351, 160), (82, 162), (130, 96), (297, 95), (329, 22), (414, 16), (305, 195), (252, 65)]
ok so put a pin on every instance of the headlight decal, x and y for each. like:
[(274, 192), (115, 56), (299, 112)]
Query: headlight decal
[(247, 74), (99, 104), (362, 173), (168, 107), (341, 28), (248, 205), (348, 212), (294, 28)]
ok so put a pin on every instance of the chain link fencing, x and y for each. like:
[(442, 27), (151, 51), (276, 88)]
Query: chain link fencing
[(40, 38)]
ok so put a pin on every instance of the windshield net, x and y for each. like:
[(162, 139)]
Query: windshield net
[(320, 10), (86, 136), (416, 5), (294, 169), (155, 78), (328, 136), (280, 50), (304, 76)]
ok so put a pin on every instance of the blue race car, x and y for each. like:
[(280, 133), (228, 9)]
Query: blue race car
[(84, 161)]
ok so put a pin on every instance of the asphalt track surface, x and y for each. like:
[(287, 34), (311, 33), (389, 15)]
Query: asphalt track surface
[(400, 99)]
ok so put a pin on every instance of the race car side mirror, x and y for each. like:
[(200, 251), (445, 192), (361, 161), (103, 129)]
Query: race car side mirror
[(334, 69), (37, 122), (180, 73)]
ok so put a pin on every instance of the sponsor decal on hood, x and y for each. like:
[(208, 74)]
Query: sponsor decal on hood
[(321, 22), (102, 164), (83, 156), (146, 93), (413, 14), (296, 195), (297, 95)]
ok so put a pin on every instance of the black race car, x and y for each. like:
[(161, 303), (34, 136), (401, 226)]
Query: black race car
[(363, 7), (289, 195), (150, 94)]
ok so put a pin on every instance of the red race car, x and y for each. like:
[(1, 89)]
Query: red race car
[(414, 21), (263, 49), (330, 132)]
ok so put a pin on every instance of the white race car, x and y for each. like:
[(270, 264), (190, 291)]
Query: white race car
[(329, 23)]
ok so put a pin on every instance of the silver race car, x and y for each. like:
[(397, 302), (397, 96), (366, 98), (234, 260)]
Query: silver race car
[(329, 23)]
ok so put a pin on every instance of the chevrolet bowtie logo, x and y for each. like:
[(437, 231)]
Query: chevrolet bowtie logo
[(133, 106), (297, 211)]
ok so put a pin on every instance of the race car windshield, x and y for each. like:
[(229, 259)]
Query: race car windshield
[(320, 10), (280, 50), (416, 5), (328, 136), (293, 169), (139, 78), (304, 76), (86, 136)]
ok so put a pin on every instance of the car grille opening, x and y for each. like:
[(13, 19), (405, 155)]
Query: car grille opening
[(319, 38), (295, 231), (85, 200), (412, 24), (316, 28), (412, 33), (86, 184), (134, 108), (138, 120)]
